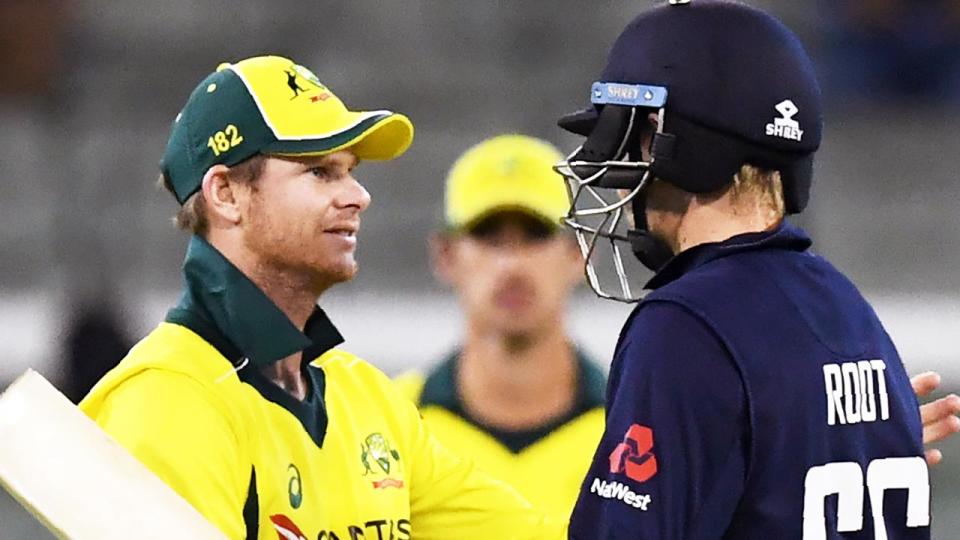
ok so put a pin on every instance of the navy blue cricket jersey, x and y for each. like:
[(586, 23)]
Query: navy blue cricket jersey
[(754, 394)]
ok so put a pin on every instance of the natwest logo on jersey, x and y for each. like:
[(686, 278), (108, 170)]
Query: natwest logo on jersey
[(634, 456), (621, 492)]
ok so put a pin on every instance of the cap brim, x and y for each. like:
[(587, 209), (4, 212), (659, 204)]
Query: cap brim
[(480, 217), (580, 122), (376, 135)]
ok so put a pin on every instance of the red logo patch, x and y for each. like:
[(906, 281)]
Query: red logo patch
[(388, 482), (634, 456), (286, 528)]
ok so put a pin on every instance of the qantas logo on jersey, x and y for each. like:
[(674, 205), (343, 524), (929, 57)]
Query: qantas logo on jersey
[(379, 529), (634, 456), (286, 528), (621, 492), (383, 528)]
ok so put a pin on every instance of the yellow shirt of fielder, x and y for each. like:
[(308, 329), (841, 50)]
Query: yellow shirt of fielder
[(547, 464), (351, 461)]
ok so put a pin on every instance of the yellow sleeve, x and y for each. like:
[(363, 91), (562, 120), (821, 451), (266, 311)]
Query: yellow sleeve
[(450, 498), (410, 385), (168, 422)]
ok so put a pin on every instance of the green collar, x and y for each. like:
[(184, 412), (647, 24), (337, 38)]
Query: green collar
[(440, 389), (229, 311)]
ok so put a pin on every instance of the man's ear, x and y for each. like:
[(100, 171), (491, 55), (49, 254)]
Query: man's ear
[(646, 136), (221, 195), (442, 257), (654, 120)]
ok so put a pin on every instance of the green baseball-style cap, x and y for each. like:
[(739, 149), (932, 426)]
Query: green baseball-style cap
[(271, 105)]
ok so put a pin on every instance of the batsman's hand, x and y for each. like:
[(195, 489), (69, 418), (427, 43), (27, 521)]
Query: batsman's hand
[(939, 417)]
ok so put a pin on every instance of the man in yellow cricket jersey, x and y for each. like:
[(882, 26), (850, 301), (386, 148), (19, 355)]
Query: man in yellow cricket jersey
[(240, 400), (518, 396)]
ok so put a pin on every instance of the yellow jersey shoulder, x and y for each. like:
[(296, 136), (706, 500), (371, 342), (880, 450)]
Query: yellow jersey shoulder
[(531, 468), (172, 349), (347, 368), (410, 384), (369, 392)]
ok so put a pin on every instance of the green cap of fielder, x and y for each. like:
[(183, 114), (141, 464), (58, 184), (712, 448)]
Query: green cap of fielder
[(271, 105), (507, 172)]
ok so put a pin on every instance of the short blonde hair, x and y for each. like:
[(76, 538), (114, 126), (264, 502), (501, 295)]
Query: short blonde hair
[(192, 216), (756, 189)]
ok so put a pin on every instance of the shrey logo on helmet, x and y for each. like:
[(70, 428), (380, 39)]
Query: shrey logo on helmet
[(786, 127)]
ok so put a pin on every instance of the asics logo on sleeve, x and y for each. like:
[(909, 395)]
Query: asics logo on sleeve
[(294, 486)]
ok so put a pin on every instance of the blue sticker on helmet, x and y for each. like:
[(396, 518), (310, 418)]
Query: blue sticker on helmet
[(634, 95)]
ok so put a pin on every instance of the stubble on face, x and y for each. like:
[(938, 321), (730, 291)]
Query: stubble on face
[(288, 236)]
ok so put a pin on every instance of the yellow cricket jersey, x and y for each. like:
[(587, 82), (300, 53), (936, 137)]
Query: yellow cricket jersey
[(547, 465), (351, 461)]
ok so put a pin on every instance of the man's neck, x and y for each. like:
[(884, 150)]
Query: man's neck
[(297, 302), (293, 295), (719, 221), (517, 383)]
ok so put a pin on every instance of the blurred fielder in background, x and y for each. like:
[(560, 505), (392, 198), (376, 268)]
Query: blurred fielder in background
[(239, 400), (753, 393), (518, 396)]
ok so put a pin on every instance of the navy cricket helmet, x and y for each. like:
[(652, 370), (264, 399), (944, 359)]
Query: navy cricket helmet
[(731, 85)]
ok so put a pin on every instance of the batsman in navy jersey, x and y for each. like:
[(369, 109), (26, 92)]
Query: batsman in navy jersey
[(754, 393)]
